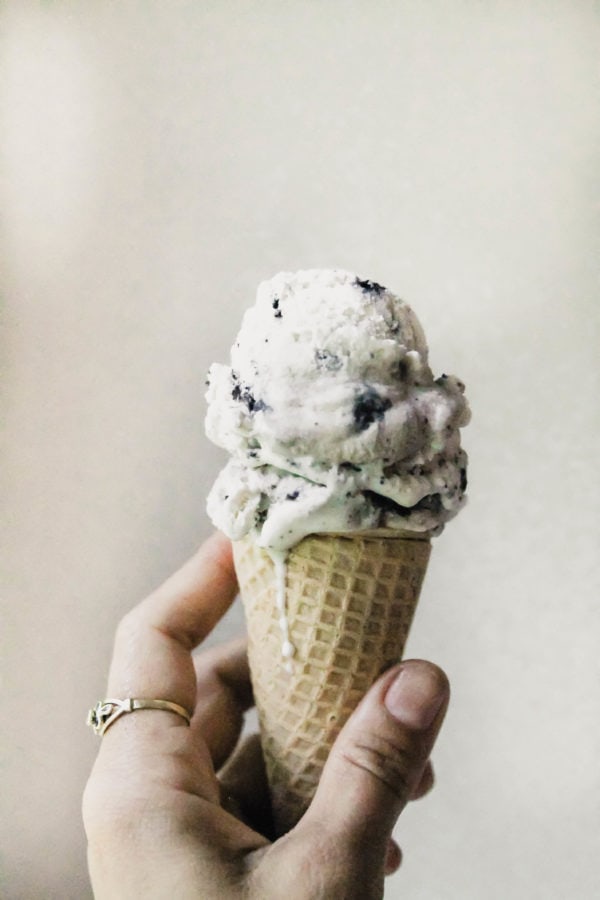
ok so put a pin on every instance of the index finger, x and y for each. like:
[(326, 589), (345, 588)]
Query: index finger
[(152, 654)]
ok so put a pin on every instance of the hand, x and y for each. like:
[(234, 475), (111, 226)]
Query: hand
[(162, 824)]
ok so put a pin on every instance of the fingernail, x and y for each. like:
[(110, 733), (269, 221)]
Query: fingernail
[(416, 696)]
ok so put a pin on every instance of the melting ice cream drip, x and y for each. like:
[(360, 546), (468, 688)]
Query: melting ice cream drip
[(287, 648)]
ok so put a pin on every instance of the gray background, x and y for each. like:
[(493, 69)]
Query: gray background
[(158, 160)]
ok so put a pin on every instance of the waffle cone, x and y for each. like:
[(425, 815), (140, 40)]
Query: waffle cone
[(350, 603)]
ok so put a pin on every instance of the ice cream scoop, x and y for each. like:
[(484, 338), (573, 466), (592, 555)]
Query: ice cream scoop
[(332, 416)]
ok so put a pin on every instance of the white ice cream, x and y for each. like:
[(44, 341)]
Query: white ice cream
[(332, 417)]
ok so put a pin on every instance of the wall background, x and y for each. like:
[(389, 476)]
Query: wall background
[(157, 161)]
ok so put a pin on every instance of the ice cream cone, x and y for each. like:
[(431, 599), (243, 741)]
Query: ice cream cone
[(349, 603)]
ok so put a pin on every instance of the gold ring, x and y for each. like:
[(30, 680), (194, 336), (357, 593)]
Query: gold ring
[(106, 712)]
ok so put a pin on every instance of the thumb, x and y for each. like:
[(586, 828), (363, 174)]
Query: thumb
[(379, 757)]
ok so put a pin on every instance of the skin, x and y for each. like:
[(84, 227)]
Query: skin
[(170, 812)]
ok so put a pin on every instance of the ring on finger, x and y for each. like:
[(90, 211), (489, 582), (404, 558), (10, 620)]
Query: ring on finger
[(106, 712)]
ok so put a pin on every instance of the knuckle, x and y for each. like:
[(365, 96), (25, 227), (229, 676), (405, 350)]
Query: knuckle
[(130, 634), (106, 815), (392, 764), (110, 816), (126, 628)]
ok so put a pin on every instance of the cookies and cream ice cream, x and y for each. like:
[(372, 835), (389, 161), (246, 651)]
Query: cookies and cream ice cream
[(332, 417)]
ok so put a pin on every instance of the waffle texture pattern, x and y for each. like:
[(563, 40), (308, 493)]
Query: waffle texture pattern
[(350, 603)]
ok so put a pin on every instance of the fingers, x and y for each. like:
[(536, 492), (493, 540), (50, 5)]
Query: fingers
[(426, 782), (393, 854), (380, 757), (393, 858), (245, 789), (152, 655), (151, 749), (224, 693)]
